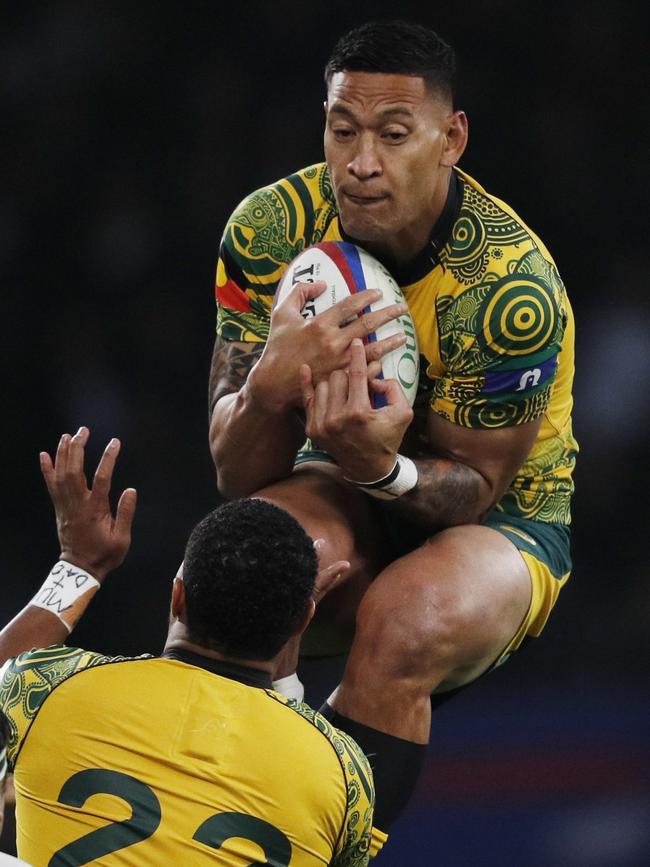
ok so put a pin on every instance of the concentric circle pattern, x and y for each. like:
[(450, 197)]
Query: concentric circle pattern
[(520, 317)]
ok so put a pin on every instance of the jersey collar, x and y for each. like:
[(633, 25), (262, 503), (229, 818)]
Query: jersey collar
[(242, 673)]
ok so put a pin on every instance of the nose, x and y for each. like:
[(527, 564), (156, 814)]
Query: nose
[(365, 162)]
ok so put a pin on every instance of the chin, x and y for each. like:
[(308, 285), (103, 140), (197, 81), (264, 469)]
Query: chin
[(367, 230)]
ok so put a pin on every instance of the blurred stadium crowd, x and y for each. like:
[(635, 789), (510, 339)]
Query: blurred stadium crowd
[(132, 131)]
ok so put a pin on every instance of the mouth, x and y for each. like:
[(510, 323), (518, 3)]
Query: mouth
[(365, 201)]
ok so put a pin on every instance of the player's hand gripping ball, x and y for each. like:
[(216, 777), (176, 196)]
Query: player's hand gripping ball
[(347, 269)]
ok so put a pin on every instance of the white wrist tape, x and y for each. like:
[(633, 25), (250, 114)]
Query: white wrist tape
[(290, 687), (402, 478), (66, 592)]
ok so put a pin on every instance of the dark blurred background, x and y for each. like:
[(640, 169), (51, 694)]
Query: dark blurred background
[(130, 132)]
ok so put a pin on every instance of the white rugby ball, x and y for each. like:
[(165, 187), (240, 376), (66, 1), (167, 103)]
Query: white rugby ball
[(347, 269)]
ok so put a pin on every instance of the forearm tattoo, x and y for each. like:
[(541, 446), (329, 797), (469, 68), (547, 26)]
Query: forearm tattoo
[(231, 364), (448, 493)]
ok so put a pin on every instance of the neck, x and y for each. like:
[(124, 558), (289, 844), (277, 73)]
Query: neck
[(400, 248), (405, 244), (177, 641)]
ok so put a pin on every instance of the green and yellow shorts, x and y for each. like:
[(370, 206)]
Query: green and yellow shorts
[(545, 548)]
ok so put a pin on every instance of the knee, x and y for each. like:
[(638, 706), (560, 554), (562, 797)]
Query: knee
[(414, 633), (441, 615)]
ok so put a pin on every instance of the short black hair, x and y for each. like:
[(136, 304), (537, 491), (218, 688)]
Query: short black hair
[(396, 46), (249, 572)]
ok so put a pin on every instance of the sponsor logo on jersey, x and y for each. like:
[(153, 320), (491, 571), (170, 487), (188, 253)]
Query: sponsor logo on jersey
[(520, 380)]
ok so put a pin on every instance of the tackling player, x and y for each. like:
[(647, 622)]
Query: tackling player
[(454, 517), (190, 757)]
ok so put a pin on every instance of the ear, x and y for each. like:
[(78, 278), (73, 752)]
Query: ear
[(456, 139), (325, 107), (178, 598), (306, 620)]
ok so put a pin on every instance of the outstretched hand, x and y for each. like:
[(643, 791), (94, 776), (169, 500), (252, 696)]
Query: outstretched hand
[(89, 535)]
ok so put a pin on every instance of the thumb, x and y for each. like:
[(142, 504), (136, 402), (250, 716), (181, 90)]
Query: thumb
[(307, 390), (126, 512), (390, 389), (329, 578), (374, 369), (299, 294)]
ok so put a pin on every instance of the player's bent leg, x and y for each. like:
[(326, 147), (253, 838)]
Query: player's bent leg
[(432, 620), (330, 509), (435, 619)]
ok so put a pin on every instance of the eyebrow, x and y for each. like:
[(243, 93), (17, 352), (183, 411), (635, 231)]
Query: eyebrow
[(387, 112)]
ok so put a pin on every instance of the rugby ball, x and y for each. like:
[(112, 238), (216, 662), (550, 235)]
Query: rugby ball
[(347, 269)]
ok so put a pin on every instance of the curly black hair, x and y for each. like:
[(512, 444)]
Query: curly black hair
[(396, 46), (249, 572)]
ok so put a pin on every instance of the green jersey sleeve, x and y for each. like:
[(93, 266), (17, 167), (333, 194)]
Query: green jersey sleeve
[(264, 234), (361, 840)]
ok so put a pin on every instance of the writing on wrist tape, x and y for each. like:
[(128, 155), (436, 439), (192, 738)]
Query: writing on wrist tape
[(66, 592), (402, 478)]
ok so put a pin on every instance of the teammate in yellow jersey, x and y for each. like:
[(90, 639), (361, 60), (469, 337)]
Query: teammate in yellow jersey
[(460, 545), (190, 757)]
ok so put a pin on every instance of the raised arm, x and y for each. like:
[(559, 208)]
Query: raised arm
[(92, 541)]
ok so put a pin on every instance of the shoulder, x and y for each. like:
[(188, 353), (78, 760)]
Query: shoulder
[(56, 663), (309, 188), (503, 291), (27, 680), (280, 219), (358, 838), (267, 230), (350, 756), (490, 240)]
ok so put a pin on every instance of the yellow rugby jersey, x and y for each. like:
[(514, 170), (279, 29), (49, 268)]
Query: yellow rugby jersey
[(494, 324), (153, 761)]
